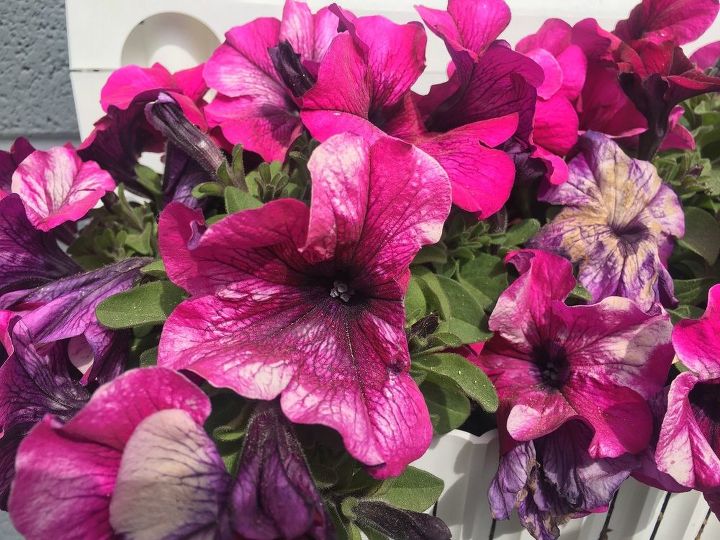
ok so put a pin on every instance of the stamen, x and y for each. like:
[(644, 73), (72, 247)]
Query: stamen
[(342, 291)]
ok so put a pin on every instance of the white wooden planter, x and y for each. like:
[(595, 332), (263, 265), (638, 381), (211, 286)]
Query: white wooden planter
[(467, 465), (105, 35)]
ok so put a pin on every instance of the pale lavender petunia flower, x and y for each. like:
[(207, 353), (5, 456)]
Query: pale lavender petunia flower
[(617, 224)]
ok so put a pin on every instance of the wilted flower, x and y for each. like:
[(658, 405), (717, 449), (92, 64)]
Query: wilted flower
[(308, 303), (136, 462), (552, 363), (255, 73), (688, 448), (553, 479), (124, 133), (617, 222)]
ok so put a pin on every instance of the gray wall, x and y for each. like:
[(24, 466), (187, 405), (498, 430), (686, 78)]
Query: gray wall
[(35, 93)]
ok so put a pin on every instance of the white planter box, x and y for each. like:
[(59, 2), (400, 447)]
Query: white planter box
[(467, 465), (105, 35)]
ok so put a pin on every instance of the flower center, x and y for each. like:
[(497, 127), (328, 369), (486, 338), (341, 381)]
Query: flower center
[(630, 233), (341, 290), (552, 364), (705, 400)]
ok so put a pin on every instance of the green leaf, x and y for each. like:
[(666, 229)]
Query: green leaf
[(237, 200), (692, 291), (447, 404), (465, 332), (684, 312), (450, 299), (150, 303), (155, 269), (470, 378), (149, 357), (415, 305), (521, 233), (208, 189), (149, 179), (415, 490), (436, 253), (487, 274), (702, 234), (580, 293)]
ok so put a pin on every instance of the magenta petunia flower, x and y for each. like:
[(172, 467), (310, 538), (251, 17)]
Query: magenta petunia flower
[(681, 21), (556, 124), (552, 363), (707, 56), (57, 187), (363, 86), (617, 223), (688, 447), (308, 303), (136, 462), (258, 89)]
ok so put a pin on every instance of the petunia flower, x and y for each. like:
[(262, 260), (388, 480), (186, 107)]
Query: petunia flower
[(363, 86), (706, 57), (556, 124), (680, 21), (9, 161), (688, 447), (618, 219), (553, 479), (308, 303), (253, 73), (552, 363), (56, 186), (136, 462), (125, 132), (33, 383)]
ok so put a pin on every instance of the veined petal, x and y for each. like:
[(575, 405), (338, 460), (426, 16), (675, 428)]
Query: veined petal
[(171, 481), (556, 125), (56, 186), (81, 458), (681, 21), (28, 257), (707, 56)]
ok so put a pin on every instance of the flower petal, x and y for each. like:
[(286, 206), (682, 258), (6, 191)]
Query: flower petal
[(28, 257), (126, 83), (696, 341), (682, 21), (171, 481), (56, 186), (707, 56), (683, 450), (556, 125), (551, 68), (9, 161)]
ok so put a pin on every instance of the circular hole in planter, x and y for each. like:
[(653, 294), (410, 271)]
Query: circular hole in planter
[(175, 40)]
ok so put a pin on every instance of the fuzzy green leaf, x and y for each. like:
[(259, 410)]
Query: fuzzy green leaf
[(415, 490), (150, 303), (702, 234), (237, 200), (470, 378), (447, 404)]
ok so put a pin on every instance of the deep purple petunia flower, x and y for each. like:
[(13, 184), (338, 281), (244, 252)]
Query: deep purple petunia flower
[(34, 381), (137, 462), (617, 223), (552, 363), (553, 479), (308, 303), (9, 161), (688, 447)]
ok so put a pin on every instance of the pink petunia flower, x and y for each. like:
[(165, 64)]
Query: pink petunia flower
[(617, 222), (706, 57), (308, 303), (556, 124), (136, 462), (57, 187), (552, 363), (363, 86), (688, 447), (255, 73)]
